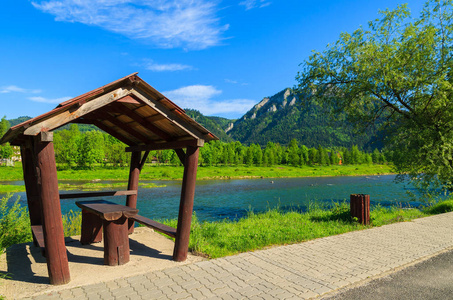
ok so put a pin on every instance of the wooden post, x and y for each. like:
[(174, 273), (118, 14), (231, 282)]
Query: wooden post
[(31, 185), (186, 204), (360, 208), (134, 175), (57, 259), (91, 228), (116, 242)]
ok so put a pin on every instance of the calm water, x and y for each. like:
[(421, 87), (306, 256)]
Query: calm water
[(220, 199)]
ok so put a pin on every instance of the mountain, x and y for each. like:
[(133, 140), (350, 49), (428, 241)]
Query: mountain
[(217, 125), (283, 117)]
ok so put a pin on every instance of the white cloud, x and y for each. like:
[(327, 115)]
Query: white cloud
[(250, 4), (235, 82), (47, 100), (152, 66), (199, 97), (190, 24), (16, 89)]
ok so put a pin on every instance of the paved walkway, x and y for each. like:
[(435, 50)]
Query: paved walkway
[(299, 271)]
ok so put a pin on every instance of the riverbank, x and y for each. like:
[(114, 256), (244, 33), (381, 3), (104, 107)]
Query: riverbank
[(163, 172), (252, 232)]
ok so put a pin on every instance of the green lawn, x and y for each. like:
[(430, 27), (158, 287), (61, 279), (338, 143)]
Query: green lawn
[(163, 172)]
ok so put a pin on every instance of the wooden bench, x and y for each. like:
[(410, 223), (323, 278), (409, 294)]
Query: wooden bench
[(112, 218), (170, 231)]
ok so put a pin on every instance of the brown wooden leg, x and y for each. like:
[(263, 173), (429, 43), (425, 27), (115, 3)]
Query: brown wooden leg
[(57, 259), (134, 175), (116, 242), (91, 228), (186, 205)]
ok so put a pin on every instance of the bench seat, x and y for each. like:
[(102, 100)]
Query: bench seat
[(170, 231)]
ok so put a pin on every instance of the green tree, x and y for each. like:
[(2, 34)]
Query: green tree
[(6, 151), (67, 145), (293, 153), (399, 71), (91, 149), (4, 126), (249, 156)]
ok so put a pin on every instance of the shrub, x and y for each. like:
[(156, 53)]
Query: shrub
[(14, 223), (440, 208)]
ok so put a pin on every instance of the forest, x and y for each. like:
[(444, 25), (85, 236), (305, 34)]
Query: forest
[(77, 149)]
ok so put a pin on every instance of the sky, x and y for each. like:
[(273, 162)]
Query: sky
[(219, 57)]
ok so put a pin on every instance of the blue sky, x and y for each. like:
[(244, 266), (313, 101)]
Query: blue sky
[(220, 57)]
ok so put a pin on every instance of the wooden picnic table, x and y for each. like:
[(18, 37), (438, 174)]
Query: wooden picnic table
[(113, 219)]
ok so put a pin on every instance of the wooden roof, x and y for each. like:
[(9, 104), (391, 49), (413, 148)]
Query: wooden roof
[(128, 109)]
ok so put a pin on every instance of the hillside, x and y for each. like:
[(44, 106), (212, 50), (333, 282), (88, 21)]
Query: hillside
[(216, 125), (284, 117), (14, 122)]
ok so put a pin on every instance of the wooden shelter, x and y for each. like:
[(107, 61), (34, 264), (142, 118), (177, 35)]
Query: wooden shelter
[(133, 112)]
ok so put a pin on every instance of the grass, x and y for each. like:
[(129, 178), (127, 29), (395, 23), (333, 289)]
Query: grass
[(165, 172)]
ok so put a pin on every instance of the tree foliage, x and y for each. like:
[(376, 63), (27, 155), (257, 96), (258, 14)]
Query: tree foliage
[(399, 71)]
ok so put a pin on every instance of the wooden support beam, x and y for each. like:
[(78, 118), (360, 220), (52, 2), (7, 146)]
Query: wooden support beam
[(112, 132), (134, 174), (168, 145), (181, 155), (145, 123), (125, 127), (69, 115), (143, 161), (57, 259), (186, 205), (31, 185)]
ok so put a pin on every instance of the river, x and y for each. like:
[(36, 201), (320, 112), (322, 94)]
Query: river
[(220, 199)]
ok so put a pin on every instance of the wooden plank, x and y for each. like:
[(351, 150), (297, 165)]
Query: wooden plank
[(168, 145), (155, 118), (69, 115), (142, 121), (123, 126), (97, 194), (170, 231), (107, 210)]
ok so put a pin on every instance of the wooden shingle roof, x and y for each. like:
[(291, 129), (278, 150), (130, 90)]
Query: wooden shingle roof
[(129, 109)]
